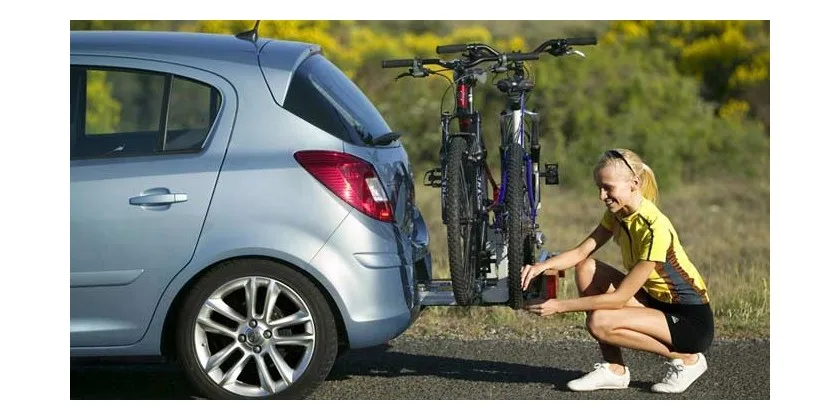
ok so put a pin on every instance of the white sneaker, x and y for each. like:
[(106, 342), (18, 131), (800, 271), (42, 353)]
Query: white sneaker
[(680, 375), (601, 378)]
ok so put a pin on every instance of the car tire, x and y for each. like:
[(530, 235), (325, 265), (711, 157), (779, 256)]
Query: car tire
[(231, 347)]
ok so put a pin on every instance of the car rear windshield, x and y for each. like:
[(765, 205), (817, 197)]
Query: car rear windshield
[(322, 95)]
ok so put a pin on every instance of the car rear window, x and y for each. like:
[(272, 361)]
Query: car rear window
[(323, 96)]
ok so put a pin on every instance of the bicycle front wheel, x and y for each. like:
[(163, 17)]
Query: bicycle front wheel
[(460, 232), (517, 207)]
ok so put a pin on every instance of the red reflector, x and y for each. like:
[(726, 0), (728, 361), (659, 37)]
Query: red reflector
[(550, 284), (349, 178)]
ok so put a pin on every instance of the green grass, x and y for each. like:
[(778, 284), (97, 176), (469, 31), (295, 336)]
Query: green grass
[(724, 227)]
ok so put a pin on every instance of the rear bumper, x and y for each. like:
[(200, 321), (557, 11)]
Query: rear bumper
[(375, 284)]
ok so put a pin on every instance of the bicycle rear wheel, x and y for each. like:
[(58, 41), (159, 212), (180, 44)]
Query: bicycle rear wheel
[(460, 231)]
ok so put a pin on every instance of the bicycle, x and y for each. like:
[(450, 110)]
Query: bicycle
[(464, 172)]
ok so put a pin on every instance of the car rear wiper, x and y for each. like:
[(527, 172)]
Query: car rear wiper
[(385, 139)]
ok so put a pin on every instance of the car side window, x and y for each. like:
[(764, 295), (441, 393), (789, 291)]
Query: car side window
[(123, 112)]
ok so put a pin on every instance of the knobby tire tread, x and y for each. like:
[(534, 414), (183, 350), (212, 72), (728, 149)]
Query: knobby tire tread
[(457, 208), (516, 228)]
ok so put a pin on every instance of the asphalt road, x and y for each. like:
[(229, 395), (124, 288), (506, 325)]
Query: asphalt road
[(446, 369)]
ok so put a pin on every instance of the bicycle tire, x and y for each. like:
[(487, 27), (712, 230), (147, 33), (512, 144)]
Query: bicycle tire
[(459, 235), (517, 223)]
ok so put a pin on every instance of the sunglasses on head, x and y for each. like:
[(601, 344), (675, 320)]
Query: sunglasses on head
[(616, 154)]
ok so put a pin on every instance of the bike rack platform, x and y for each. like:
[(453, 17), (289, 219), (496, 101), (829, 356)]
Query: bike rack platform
[(439, 292)]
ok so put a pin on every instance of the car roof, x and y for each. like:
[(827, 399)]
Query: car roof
[(182, 46)]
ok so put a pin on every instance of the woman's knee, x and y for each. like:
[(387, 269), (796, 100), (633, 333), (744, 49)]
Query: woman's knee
[(585, 273), (586, 267), (599, 323)]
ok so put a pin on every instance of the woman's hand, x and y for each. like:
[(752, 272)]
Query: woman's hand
[(529, 272), (544, 307)]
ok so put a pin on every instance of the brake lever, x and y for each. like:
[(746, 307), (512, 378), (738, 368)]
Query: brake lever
[(560, 50), (417, 70), (414, 71)]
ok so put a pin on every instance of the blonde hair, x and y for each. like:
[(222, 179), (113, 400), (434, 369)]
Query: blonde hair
[(630, 162)]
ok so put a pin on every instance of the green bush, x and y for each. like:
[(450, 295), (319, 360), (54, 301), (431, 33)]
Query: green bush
[(682, 94)]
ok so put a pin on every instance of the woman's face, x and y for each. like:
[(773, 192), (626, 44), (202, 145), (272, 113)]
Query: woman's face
[(617, 187)]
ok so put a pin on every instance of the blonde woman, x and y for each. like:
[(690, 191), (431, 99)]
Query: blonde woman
[(660, 305)]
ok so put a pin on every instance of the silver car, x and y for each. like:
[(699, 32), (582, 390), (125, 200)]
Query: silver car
[(237, 204)]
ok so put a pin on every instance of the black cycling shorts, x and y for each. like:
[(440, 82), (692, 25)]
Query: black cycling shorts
[(692, 326)]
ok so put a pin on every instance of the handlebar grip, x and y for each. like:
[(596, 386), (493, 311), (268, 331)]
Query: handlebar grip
[(397, 63), (586, 40), (408, 62), (523, 56), (454, 48)]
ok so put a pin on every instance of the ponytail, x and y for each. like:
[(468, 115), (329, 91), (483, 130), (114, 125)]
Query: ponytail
[(650, 190)]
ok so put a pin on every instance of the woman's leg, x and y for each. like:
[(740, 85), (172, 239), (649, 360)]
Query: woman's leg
[(635, 326), (594, 277)]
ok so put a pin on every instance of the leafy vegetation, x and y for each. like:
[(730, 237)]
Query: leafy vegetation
[(691, 97)]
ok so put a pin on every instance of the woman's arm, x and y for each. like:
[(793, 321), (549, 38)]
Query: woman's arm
[(567, 259), (615, 300)]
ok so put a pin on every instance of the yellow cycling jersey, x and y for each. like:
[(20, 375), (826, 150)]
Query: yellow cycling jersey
[(649, 235)]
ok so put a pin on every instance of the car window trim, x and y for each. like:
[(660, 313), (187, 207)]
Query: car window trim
[(81, 114)]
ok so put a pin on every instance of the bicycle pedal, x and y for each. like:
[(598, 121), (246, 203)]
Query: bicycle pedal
[(551, 174), (433, 178)]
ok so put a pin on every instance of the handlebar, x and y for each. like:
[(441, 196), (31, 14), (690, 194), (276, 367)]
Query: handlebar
[(522, 56), (478, 53), (557, 46), (408, 62), (587, 40), (455, 48)]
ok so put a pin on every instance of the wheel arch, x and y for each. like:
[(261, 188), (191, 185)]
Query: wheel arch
[(167, 340)]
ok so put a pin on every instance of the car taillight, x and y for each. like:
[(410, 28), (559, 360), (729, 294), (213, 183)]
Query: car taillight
[(351, 179)]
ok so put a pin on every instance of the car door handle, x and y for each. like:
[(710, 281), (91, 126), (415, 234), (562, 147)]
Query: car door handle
[(157, 199)]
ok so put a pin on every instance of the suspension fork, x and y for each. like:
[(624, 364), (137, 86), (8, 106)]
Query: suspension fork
[(515, 117), (445, 118), (527, 164), (470, 122), (534, 156)]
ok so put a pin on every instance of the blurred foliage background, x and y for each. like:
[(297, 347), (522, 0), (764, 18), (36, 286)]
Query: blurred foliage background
[(691, 97)]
